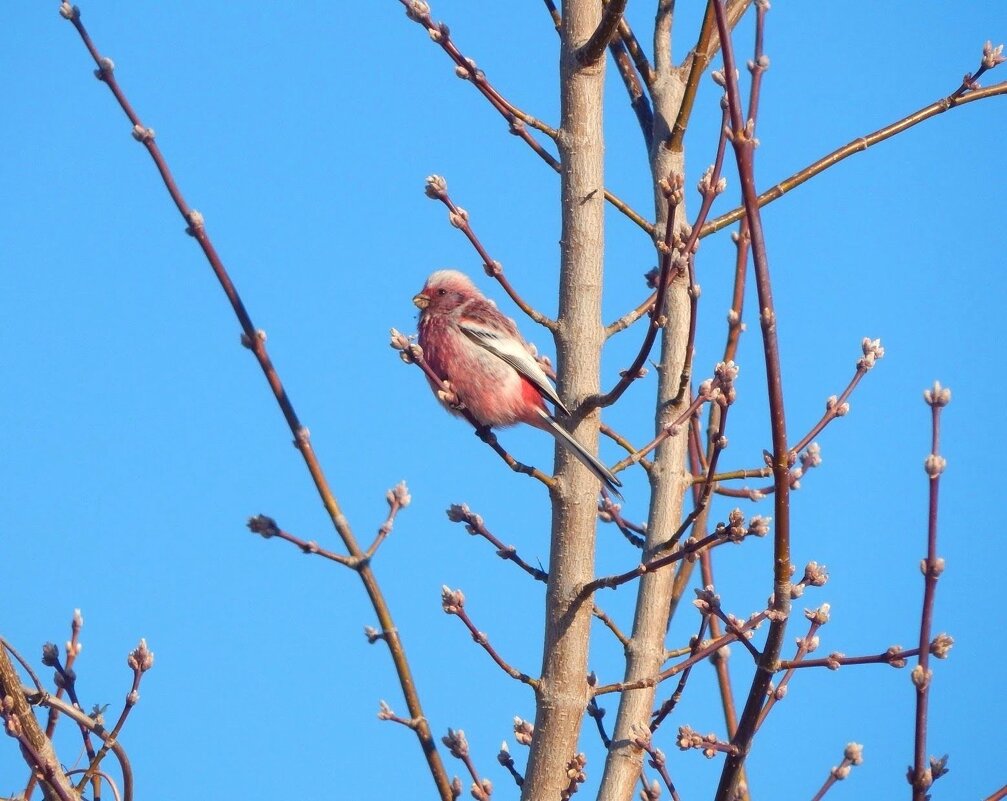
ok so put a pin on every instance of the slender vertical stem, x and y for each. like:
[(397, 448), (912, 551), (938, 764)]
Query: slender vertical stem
[(923, 776), (744, 150)]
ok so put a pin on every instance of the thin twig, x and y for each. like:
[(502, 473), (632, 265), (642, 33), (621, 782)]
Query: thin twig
[(638, 99), (696, 656), (611, 512), (658, 761), (87, 722), (922, 776), (437, 189), (672, 191), (839, 406), (744, 151), (858, 145), (255, 341), (894, 657), (140, 660), (453, 603), (998, 795), (474, 524), (852, 756), (662, 712), (697, 62), (517, 120), (805, 645)]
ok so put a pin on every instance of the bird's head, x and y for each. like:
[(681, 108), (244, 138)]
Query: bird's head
[(445, 291)]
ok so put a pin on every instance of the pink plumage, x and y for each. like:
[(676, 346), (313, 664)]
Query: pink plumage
[(467, 341)]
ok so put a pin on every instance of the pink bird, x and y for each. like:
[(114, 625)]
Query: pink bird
[(467, 341)]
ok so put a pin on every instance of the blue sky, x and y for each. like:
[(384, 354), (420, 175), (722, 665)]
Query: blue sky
[(139, 435)]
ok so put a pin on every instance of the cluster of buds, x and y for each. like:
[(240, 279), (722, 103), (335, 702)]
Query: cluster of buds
[(398, 496), (853, 755), (708, 187), (460, 513), (937, 395), (523, 731), (872, 353), (141, 658), (452, 601), (991, 55), (456, 743), (690, 738), (819, 617), (575, 771), (815, 575), (481, 790), (706, 600)]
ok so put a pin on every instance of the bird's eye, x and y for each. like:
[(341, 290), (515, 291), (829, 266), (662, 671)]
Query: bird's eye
[(442, 292)]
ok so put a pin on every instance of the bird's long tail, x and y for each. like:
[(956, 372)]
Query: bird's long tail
[(591, 462)]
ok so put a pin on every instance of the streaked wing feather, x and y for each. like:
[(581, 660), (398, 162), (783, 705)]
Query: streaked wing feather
[(511, 350)]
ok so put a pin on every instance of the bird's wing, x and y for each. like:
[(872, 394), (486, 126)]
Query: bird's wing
[(512, 350)]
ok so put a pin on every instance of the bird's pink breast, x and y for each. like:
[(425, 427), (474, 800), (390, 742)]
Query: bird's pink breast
[(491, 389)]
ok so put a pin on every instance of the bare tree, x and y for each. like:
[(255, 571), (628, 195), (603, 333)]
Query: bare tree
[(681, 457)]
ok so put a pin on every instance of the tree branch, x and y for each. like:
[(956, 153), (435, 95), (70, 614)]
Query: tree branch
[(590, 52), (255, 341)]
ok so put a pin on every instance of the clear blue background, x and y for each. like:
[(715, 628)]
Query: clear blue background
[(138, 436)]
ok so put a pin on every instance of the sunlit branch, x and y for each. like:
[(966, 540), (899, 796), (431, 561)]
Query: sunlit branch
[(437, 189)]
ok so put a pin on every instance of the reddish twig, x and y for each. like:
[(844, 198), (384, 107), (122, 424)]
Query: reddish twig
[(852, 756), (398, 498), (805, 645), (859, 145), (709, 744), (517, 120), (671, 188), (385, 712), (266, 527), (695, 656), (921, 776), (998, 795), (140, 660), (839, 406), (474, 524), (458, 746), (736, 532), (894, 657), (657, 760), (719, 389), (453, 603), (255, 341), (743, 142), (662, 712), (437, 189)]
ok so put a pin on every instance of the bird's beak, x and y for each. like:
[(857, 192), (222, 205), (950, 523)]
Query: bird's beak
[(421, 300)]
